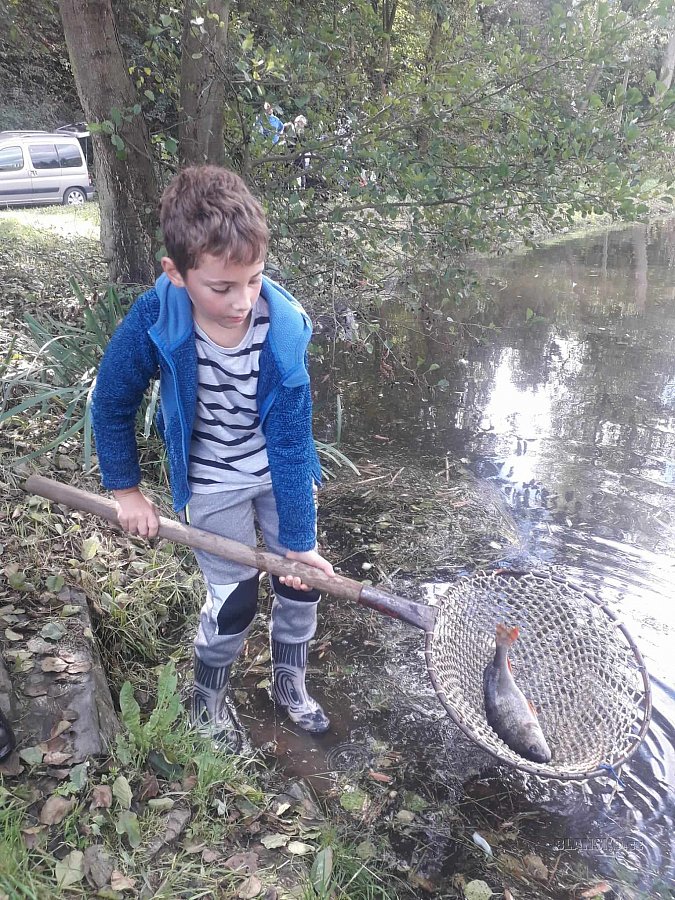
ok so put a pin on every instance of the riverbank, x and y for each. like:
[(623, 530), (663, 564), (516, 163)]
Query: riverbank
[(386, 806)]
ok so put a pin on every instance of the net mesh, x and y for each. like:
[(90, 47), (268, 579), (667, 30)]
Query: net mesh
[(571, 660)]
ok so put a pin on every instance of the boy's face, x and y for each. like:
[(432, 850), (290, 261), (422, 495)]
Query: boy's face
[(222, 293)]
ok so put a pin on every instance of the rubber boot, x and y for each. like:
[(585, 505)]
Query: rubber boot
[(7, 739), (289, 666), (210, 711)]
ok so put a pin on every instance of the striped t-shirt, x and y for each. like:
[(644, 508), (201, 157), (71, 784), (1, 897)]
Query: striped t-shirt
[(228, 447)]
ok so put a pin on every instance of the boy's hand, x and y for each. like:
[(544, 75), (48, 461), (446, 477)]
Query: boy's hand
[(310, 558), (136, 514)]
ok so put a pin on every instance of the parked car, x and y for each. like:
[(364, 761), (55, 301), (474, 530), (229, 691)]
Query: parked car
[(43, 167)]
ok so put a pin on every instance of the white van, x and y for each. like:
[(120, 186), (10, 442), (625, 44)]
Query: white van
[(42, 167)]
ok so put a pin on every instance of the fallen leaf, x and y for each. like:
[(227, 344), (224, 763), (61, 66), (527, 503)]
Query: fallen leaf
[(39, 645), (477, 890), (120, 882), (366, 850), (70, 869), (54, 583), (55, 809), (34, 690), (122, 792), (194, 847), (211, 856), (127, 823), (98, 865), (11, 766), (175, 823), (53, 631), (101, 797), (597, 890), (13, 635), (61, 726), (56, 758), (150, 787), (272, 841), (53, 664), (70, 609), (90, 548), (161, 804), (380, 776), (246, 862), (405, 816), (78, 668), (31, 755), (298, 848), (250, 888), (31, 835), (535, 866), (354, 800)]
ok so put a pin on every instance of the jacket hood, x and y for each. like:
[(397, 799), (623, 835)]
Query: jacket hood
[(289, 334)]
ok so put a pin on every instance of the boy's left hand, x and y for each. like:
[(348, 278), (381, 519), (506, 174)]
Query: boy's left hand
[(310, 558)]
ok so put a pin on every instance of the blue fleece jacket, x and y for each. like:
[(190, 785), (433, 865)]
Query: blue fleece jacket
[(156, 338)]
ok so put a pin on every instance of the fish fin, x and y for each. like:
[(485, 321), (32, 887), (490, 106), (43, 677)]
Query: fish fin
[(533, 709), (505, 636)]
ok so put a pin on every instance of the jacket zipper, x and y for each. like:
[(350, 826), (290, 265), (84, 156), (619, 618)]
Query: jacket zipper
[(181, 418)]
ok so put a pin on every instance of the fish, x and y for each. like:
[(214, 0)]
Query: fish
[(507, 709)]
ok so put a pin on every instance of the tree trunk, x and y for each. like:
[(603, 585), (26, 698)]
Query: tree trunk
[(202, 87), (668, 63), (422, 134), (127, 186), (387, 14)]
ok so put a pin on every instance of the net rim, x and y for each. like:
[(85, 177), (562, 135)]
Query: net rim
[(546, 770)]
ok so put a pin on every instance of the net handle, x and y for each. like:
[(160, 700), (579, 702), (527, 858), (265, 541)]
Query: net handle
[(418, 615)]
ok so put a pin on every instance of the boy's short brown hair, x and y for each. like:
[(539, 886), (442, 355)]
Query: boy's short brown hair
[(208, 209)]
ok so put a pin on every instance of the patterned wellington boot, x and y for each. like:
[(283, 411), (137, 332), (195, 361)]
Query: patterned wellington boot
[(289, 664), (210, 712), (7, 739)]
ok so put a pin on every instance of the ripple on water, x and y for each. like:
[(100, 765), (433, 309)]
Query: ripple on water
[(348, 757)]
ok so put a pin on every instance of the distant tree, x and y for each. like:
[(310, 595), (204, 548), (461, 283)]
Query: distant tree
[(125, 175)]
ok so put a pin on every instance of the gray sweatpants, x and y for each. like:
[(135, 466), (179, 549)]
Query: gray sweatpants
[(232, 588)]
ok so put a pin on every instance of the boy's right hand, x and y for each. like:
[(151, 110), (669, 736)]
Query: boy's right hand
[(136, 514)]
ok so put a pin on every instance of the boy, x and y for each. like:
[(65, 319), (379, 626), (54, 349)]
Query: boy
[(229, 346)]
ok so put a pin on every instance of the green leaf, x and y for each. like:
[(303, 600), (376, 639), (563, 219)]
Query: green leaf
[(78, 777), (322, 870), (127, 823), (122, 791), (31, 755), (53, 631), (54, 583), (131, 713), (90, 548), (19, 582), (70, 869)]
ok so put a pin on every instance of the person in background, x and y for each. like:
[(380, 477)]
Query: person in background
[(229, 346), (269, 125), (293, 132)]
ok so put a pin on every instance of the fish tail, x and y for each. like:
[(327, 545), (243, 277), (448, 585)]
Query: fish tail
[(505, 636)]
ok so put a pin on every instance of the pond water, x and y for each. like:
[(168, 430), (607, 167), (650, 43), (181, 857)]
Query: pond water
[(560, 392)]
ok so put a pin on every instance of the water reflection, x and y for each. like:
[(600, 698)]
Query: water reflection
[(561, 390)]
